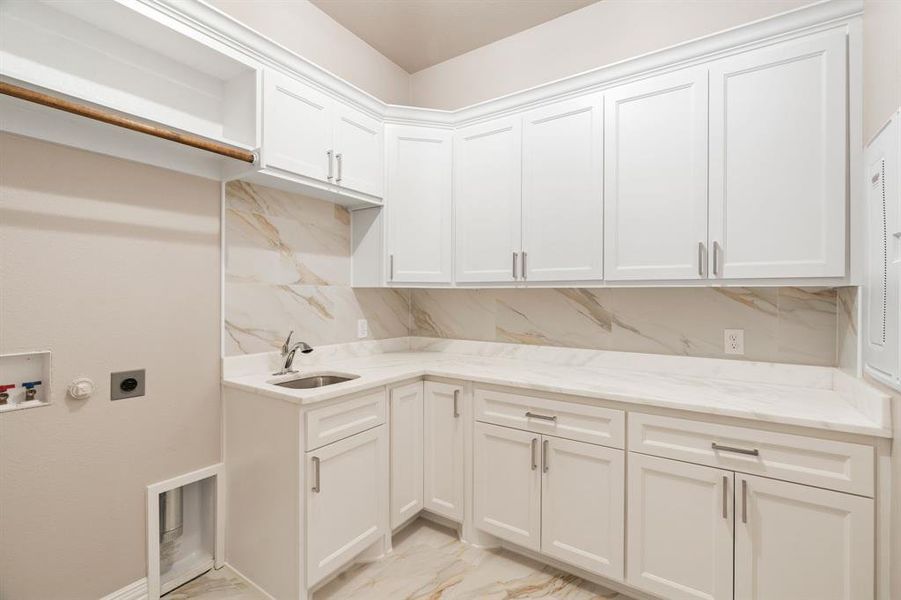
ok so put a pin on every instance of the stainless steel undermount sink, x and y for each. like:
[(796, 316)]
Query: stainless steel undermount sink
[(316, 381)]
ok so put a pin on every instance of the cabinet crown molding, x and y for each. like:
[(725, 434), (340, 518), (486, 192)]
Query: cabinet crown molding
[(237, 36)]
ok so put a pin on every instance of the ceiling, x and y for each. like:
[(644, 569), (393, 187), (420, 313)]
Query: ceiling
[(416, 34)]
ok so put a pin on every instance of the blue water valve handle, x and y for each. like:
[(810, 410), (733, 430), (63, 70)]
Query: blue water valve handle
[(30, 385)]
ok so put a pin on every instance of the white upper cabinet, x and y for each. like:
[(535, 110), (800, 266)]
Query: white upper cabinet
[(306, 133), (655, 177), (420, 211), (562, 195), (359, 151), (794, 541), (777, 160), (297, 128), (487, 201)]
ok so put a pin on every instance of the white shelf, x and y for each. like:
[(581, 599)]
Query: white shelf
[(119, 56)]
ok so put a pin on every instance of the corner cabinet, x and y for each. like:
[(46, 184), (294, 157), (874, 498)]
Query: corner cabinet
[(778, 139), (329, 145), (419, 204), (405, 410), (443, 455)]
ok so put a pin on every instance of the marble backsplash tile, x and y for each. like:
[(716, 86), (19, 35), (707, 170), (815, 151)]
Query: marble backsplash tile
[(795, 325), (847, 330), (288, 267)]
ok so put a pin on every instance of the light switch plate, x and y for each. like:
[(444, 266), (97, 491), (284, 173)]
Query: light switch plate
[(734, 341), (127, 384)]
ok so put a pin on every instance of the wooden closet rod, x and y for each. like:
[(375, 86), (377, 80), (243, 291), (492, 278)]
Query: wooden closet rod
[(112, 118)]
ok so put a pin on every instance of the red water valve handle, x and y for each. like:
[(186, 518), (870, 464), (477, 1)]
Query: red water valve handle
[(3, 388)]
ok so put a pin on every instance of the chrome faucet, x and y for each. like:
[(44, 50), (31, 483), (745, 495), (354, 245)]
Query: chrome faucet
[(288, 351)]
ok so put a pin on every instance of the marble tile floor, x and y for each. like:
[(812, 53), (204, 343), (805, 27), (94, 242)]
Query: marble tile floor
[(428, 563)]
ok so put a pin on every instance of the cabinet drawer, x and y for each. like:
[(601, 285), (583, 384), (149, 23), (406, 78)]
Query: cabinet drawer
[(571, 420), (345, 418), (840, 466)]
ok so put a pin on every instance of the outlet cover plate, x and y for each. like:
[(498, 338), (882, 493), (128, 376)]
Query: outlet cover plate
[(734, 341), (362, 328), (127, 384)]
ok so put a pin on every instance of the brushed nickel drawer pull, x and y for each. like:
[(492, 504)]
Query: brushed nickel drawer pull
[(456, 404), (532, 415), (719, 448), (316, 474), (330, 155), (515, 256)]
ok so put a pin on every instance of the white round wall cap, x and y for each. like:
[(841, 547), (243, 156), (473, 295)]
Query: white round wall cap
[(81, 388)]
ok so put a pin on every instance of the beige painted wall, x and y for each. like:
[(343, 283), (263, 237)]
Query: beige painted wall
[(881, 63), (111, 265), (591, 37), (303, 28)]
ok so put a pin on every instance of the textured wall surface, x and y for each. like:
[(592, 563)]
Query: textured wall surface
[(288, 267), (794, 325), (111, 265)]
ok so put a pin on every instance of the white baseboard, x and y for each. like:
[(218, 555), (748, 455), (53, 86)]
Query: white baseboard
[(136, 590)]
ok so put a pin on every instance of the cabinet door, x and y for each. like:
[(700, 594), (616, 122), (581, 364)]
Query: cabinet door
[(346, 500), (359, 151), (777, 160), (794, 542), (562, 192), (443, 462), (419, 205), (680, 524), (487, 201), (297, 127), (406, 452), (655, 183), (582, 511), (507, 484)]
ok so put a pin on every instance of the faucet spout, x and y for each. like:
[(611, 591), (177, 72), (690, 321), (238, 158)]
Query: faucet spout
[(288, 352)]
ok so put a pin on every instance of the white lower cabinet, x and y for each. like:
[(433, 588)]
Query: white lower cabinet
[(507, 484), (698, 532), (560, 497), (443, 452), (582, 520), (346, 500), (406, 452), (680, 529), (794, 542)]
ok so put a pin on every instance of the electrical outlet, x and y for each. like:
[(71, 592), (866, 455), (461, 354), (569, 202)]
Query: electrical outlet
[(734, 341), (362, 328)]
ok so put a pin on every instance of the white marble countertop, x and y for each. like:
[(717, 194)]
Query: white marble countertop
[(816, 397)]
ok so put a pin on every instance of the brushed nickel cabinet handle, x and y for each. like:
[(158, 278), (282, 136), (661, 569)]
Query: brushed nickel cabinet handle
[(700, 259), (340, 160), (316, 474), (534, 458), (744, 500), (456, 404), (749, 452), (515, 256), (390, 267), (331, 174), (544, 464), (523, 270), (725, 497), (716, 252), (531, 415)]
